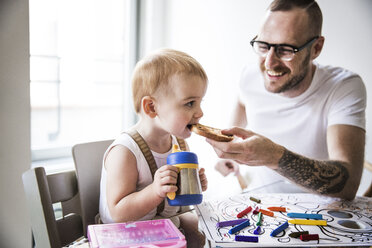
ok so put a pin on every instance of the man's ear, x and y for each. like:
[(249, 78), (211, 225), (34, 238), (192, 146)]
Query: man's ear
[(148, 106), (318, 46)]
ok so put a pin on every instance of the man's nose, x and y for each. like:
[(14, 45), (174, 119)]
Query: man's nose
[(271, 59)]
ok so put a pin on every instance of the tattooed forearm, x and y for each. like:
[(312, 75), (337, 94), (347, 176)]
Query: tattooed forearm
[(325, 177)]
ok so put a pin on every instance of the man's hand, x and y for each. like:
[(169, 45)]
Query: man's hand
[(338, 177), (251, 149)]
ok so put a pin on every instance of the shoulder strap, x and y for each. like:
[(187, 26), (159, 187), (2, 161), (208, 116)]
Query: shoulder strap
[(182, 143), (149, 158)]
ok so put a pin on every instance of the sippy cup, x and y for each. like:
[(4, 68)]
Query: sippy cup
[(189, 189)]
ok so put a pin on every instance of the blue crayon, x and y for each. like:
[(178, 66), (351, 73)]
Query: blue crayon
[(246, 238), (305, 216), (239, 227), (279, 229), (257, 231), (230, 222)]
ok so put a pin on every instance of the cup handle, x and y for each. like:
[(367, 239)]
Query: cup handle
[(172, 195)]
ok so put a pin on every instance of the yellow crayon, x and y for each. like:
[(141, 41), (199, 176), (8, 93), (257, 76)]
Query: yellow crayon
[(308, 222)]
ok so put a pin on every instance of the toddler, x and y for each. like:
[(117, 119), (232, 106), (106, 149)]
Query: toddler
[(168, 87)]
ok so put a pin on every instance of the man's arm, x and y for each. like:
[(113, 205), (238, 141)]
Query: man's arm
[(239, 118), (340, 175)]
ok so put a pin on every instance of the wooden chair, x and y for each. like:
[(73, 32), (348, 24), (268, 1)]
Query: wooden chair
[(88, 159), (368, 192), (41, 192)]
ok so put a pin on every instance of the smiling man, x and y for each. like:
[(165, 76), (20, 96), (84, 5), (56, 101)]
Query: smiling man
[(304, 121)]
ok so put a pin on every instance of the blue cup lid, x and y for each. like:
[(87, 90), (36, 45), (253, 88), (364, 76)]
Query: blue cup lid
[(182, 158)]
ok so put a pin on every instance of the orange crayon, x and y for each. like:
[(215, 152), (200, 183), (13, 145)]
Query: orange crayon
[(266, 212), (277, 209)]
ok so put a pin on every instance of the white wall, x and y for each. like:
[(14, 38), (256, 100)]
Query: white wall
[(15, 155), (217, 34)]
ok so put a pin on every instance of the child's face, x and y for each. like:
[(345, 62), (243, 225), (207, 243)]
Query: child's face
[(179, 105)]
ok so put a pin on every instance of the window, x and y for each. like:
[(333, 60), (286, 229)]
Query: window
[(79, 72)]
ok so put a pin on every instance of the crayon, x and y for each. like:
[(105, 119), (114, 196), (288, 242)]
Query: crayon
[(277, 209), (305, 237), (244, 212), (259, 219), (256, 210), (305, 216), (257, 231), (230, 222), (255, 199), (308, 222), (279, 229), (239, 227), (297, 234), (266, 212), (246, 238)]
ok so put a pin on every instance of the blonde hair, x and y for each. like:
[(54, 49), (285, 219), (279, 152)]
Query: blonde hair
[(154, 71)]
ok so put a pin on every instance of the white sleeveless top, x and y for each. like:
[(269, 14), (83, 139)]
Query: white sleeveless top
[(144, 177)]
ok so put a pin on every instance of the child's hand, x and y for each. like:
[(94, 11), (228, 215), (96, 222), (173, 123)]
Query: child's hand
[(165, 179), (226, 166), (203, 179)]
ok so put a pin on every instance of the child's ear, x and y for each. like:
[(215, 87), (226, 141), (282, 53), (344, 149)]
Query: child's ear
[(148, 105)]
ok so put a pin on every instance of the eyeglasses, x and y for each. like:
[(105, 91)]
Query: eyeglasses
[(283, 51)]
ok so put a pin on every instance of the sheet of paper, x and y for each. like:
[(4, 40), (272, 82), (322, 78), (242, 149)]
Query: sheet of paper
[(349, 223)]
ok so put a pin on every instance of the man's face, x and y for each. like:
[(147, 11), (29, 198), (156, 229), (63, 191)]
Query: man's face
[(289, 78)]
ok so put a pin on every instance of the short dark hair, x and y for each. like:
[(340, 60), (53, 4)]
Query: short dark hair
[(310, 6)]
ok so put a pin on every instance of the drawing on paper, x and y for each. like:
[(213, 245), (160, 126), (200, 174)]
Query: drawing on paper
[(348, 223)]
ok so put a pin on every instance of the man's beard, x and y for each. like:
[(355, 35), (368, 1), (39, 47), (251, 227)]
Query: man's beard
[(295, 81)]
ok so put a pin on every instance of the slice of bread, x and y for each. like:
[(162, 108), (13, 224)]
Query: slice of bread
[(210, 132)]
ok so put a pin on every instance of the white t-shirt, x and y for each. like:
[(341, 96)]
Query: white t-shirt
[(144, 177), (335, 96)]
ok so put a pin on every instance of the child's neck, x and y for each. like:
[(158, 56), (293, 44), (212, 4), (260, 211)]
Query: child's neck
[(158, 140)]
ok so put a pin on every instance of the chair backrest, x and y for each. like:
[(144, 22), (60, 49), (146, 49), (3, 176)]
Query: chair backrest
[(41, 192), (368, 192), (88, 159)]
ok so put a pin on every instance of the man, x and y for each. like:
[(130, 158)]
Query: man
[(305, 121)]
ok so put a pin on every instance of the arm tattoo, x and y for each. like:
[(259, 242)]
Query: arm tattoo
[(325, 177)]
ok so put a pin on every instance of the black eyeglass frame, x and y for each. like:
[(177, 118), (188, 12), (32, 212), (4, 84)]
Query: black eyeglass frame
[(295, 49)]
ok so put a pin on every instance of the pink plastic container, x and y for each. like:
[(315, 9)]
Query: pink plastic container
[(139, 234)]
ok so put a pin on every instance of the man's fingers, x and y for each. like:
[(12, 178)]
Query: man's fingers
[(237, 157), (239, 132), (227, 147)]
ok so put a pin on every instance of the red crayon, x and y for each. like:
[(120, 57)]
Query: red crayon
[(305, 237), (266, 212), (244, 212)]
